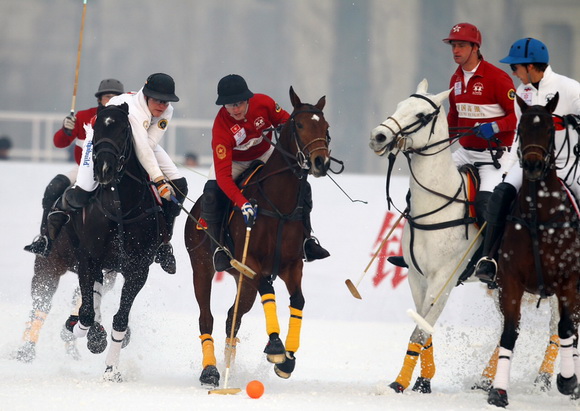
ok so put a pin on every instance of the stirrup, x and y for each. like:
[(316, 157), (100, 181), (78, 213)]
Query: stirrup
[(39, 246), (221, 260), (313, 250), (486, 269)]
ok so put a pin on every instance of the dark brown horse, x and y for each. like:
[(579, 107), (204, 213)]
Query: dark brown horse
[(275, 245), (540, 249)]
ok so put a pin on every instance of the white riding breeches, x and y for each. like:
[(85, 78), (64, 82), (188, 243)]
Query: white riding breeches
[(85, 177), (489, 175)]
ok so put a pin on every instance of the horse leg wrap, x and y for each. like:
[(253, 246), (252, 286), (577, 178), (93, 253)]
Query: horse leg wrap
[(207, 349), (547, 366), (409, 363), (294, 327), (230, 348), (427, 360), (567, 357), (269, 304), (32, 331), (502, 376), (115, 348), (491, 369)]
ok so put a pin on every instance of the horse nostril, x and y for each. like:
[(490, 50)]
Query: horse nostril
[(381, 138)]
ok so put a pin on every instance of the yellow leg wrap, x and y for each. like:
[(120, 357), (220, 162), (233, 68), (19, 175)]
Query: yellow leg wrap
[(269, 304), (413, 352), (294, 326), (32, 331), (427, 360), (550, 355), (207, 349), (490, 370)]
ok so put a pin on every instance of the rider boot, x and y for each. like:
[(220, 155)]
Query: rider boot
[(164, 255), (41, 244), (312, 248), (497, 210), (213, 203), (73, 199)]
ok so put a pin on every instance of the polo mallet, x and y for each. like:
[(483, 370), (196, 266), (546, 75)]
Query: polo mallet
[(227, 390), (74, 97), (241, 267), (352, 288), (419, 320)]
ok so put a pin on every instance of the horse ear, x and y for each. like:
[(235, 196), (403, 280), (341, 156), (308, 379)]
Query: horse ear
[(440, 98), (523, 105), (423, 86), (321, 103), (553, 103), (294, 99)]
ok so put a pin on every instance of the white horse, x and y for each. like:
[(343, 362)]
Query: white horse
[(437, 233), (438, 239)]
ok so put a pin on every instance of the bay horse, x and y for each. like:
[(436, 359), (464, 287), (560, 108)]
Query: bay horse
[(540, 250), (275, 246), (120, 229)]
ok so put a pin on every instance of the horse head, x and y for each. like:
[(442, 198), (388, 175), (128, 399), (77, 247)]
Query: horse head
[(413, 124), (111, 142), (309, 135), (536, 132)]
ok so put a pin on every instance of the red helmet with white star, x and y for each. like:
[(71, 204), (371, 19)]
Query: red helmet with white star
[(464, 32)]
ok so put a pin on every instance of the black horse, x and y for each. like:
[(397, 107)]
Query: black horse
[(120, 229)]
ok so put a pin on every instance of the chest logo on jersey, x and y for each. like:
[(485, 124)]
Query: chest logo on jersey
[(220, 151), (162, 124), (259, 123), (477, 89), (235, 128), (146, 125)]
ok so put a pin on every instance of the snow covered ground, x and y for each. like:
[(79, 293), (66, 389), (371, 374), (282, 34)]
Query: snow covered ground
[(350, 349)]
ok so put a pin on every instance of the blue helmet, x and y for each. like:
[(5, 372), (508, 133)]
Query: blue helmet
[(527, 51)]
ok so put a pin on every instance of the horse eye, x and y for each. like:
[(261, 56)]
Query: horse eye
[(420, 115), (299, 125)]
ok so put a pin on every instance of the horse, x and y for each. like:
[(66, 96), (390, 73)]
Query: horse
[(120, 229), (539, 250), (275, 246)]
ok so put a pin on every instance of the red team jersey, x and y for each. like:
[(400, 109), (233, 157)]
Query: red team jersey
[(488, 97), (242, 140), (62, 140)]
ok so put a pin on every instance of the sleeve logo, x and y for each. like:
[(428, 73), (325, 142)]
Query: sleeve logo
[(162, 124), (512, 94), (220, 151)]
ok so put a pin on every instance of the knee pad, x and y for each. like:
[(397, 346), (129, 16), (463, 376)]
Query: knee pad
[(307, 203), (212, 202), (54, 190), (481, 201), (499, 203)]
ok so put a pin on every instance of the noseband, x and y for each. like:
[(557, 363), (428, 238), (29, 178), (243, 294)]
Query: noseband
[(546, 153), (303, 151)]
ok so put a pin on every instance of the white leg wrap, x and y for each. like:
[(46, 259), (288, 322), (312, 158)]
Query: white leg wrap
[(566, 357), (85, 178), (576, 356), (97, 295), (80, 331), (502, 375), (115, 348)]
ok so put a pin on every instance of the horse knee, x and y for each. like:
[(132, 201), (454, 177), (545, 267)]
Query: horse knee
[(54, 190), (297, 301), (266, 286), (565, 326)]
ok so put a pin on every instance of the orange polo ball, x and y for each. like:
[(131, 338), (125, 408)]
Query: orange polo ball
[(255, 389)]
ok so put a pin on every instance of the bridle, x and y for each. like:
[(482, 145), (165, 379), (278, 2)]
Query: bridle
[(110, 146), (303, 151), (545, 153)]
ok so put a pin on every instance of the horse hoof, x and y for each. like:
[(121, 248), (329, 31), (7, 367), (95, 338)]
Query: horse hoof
[(275, 351), (285, 369), (398, 388), (112, 374), (97, 339), (543, 381), (69, 324), (72, 350), (566, 386), (484, 385), (26, 353), (126, 338), (498, 397), (210, 376), (422, 385)]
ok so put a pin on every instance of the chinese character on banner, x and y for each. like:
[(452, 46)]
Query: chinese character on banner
[(392, 247)]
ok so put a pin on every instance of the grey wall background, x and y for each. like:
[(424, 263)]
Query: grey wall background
[(364, 55)]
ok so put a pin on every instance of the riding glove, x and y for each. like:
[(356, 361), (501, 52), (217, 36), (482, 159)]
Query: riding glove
[(164, 188), (69, 123), (486, 130), (248, 212)]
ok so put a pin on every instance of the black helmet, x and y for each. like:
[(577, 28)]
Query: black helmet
[(231, 89), (110, 86), (160, 86)]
